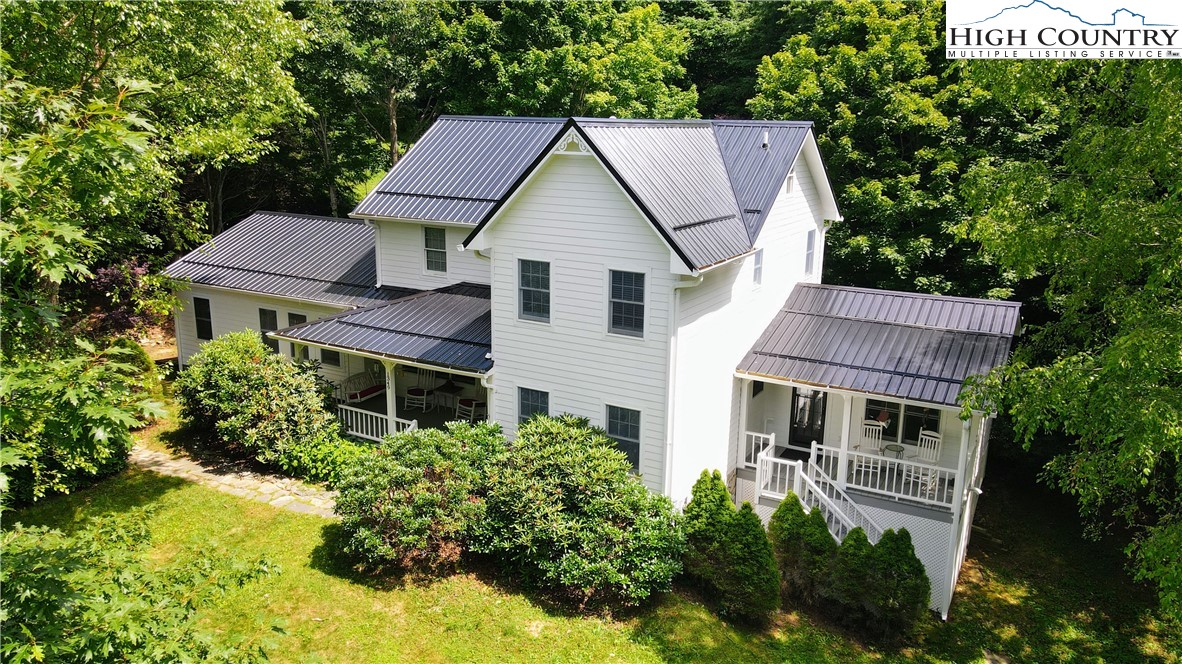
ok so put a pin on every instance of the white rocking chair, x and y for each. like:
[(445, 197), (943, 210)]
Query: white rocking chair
[(871, 443), (927, 451), (422, 395)]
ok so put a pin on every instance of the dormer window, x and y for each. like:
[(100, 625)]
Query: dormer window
[(790, 182), (435, 245)]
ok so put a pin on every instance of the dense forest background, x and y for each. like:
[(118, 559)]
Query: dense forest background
[(132, 131)]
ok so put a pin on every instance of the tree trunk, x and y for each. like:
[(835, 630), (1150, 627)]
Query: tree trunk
[(326, 163), (392, 109), (215, 185)]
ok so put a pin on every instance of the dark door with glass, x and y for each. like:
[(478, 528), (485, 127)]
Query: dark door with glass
[(808, 416)]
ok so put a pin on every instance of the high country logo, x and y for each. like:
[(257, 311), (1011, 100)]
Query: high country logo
[(1063, 29)]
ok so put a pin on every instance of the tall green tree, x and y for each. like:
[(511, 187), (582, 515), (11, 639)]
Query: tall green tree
[(897, 123), (558, 58), (1099, 220)]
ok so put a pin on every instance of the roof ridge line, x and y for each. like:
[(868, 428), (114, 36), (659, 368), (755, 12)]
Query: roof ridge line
[(274, 274), (861, 319), (413, 334), (927, 296)]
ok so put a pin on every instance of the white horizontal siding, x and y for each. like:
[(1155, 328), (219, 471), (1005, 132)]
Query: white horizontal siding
[(234, 312), (403, 260), (719, 322), (573, 215)]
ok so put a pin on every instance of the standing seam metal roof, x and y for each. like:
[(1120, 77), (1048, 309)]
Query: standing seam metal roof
[(450, 327), (904, 345), (308, 257), (707, 185)]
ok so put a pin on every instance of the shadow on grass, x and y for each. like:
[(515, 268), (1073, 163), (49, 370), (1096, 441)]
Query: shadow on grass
[(120, 493), (1033, 589)]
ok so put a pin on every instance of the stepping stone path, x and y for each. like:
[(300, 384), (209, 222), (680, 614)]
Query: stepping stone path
[(282, 492)]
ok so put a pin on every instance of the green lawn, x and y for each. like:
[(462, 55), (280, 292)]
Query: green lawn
[(1031, 591)]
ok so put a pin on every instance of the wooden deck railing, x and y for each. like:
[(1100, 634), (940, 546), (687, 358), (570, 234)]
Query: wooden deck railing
[(369, 425), (895, 478), (754, 445), (775, 477)]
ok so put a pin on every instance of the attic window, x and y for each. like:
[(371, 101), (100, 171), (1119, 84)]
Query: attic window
[(790, 182)]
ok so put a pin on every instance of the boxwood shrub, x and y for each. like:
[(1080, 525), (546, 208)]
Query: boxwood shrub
[(565, 512)]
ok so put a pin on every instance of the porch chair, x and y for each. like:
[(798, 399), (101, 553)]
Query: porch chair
[(927, 450), (468, 409), (422, 395), (871, 443)]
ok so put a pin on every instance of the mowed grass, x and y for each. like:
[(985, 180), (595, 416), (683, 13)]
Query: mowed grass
[(1031, 591)]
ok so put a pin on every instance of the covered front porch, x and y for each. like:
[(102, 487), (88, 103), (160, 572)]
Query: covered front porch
[(415, 362), (898, 449)]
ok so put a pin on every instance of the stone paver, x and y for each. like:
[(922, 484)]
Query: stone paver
[(282, 492)]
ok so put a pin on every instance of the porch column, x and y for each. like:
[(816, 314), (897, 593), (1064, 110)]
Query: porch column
[(847, 405), (741, 446), (391, 395)]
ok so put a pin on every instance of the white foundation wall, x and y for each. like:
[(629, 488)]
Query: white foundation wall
[(236, 311), (719, 321), (573, 214), (402, 258)]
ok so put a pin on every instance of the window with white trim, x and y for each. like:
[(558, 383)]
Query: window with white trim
[(914, 418), (530, 402), (297, 319), (757, 275), (534, 290), (204, 316), (790, 182), (810, 244), (623, 425), (627, 303), (435, 244), (269, 322)]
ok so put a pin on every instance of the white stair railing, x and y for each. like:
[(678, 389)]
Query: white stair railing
[(754, 445), (841, 499), (401, 425), (775, 477)]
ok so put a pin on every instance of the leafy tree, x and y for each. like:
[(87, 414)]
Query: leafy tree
[(786, 531), (707, 518), (897, 123), (563, 58), (1099, 222), (564, 511), (818, 549), (417, 498), (851, 588), (95, 596), (898, 588)]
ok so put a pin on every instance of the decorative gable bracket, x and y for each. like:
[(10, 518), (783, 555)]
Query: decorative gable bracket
[(572, 143)]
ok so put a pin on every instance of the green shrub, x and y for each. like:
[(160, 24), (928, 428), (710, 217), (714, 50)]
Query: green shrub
[(850, 588), (255, 400), (818, 550), (899, 586), (707, 523), (416, 499), (750, 589), (786, 531), (564, 511), (95, 596), (70, 419)]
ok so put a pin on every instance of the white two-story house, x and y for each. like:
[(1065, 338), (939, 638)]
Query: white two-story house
[(661, 279)]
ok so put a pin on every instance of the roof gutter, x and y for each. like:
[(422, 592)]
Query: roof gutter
[(776, 380), (725, 261)]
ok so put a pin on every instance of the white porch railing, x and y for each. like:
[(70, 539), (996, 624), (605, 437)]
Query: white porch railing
[(775, 477), (895, 478), (369, 425), (754, 445)]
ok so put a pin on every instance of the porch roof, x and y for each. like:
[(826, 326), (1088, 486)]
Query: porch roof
[(450, 327), (904, 345)]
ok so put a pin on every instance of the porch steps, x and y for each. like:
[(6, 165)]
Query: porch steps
[(775, 477)]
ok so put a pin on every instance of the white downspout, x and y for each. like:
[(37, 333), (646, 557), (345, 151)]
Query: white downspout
[(671, 383)]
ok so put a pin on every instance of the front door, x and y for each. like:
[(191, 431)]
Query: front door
[(808, 416)]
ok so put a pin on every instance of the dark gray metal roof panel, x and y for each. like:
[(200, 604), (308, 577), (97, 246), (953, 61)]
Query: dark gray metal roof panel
[(757, 173), (449, 327), (904, 345), (307, 257), (460, 168)]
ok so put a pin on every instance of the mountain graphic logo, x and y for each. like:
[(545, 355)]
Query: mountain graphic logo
[(1035, 5)]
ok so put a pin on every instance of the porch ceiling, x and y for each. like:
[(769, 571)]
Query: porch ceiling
[(903, 345), (450, 327)]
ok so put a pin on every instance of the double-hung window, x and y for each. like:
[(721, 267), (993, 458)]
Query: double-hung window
[(269, 322), (810, 245), (530, 402), (296, 319), (534, 289), (627, 303), (623, 425), (758, 272), (435, 244), (204, 316)]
